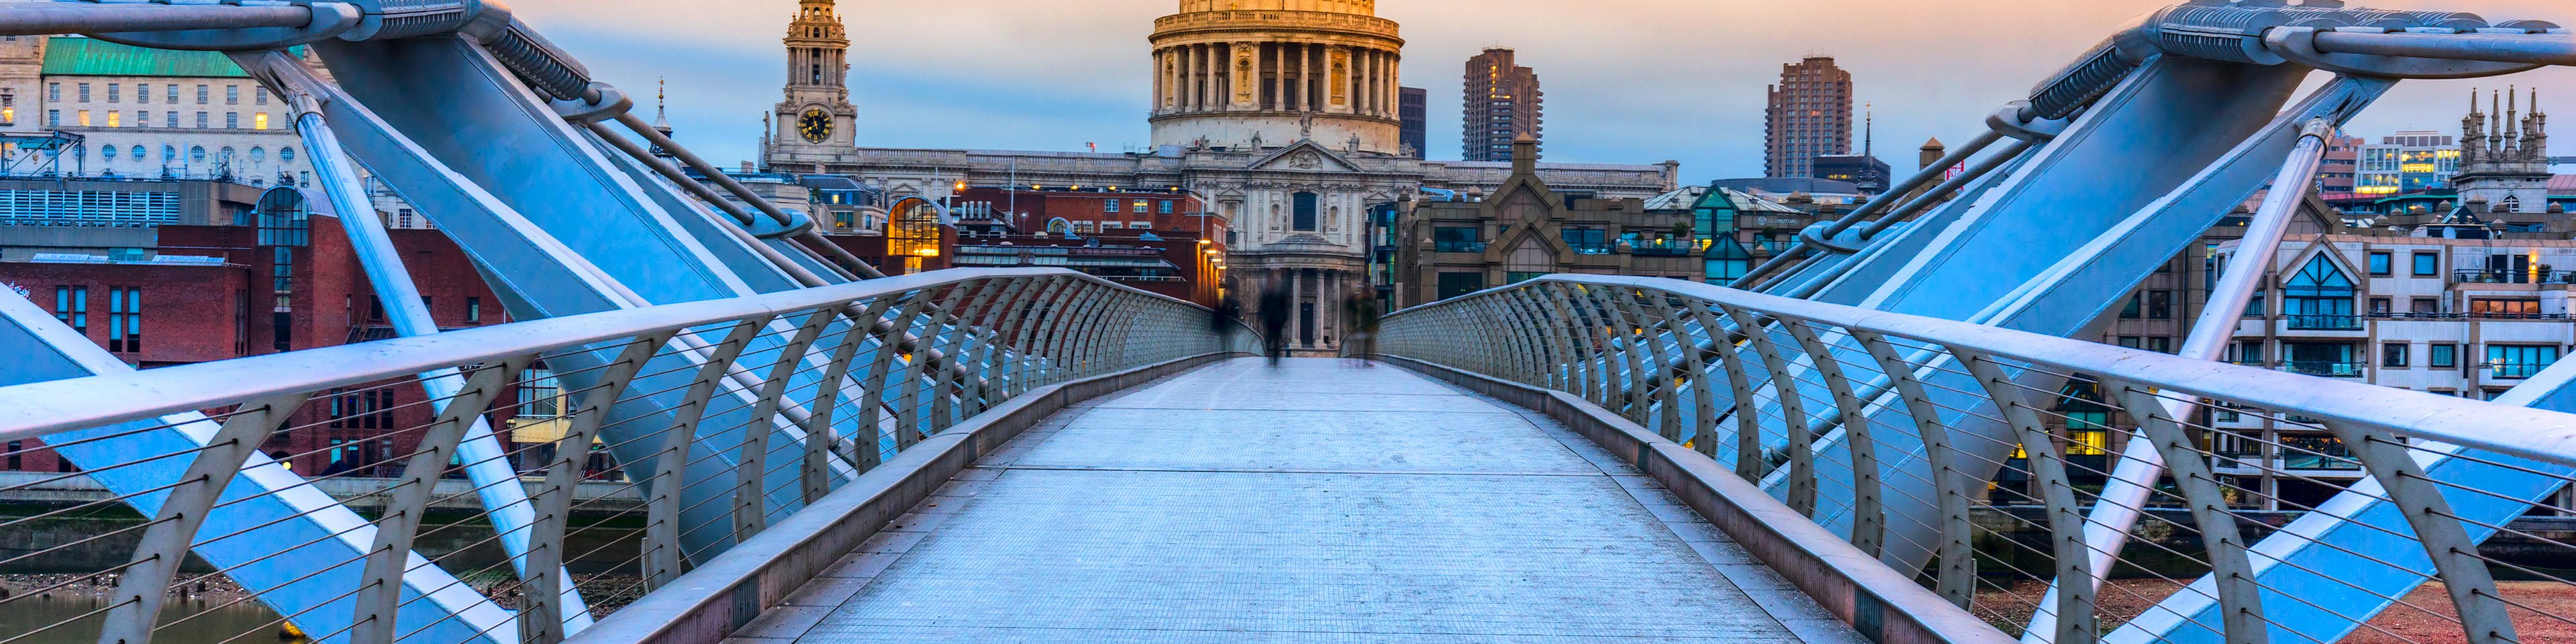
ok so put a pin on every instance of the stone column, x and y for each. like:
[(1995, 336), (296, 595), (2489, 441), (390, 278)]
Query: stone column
[(1328, 307), (1296, 301)]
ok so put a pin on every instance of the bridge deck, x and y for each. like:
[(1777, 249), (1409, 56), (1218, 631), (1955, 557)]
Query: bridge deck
[(1323, 501)]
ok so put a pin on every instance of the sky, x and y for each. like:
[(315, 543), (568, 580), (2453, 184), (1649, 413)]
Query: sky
[(1626, 81)]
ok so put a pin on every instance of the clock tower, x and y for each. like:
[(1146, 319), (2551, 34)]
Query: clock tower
[(817, 112)]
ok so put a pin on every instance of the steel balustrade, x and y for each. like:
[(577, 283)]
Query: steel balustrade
[(1641, 346), (915, 355)]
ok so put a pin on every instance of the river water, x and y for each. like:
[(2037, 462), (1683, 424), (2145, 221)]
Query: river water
[(242, 623)]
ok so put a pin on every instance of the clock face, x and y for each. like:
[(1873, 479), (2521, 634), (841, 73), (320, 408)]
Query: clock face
[(815, 125)]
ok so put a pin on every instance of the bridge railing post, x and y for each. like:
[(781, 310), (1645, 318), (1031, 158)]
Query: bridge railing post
[(751, 467), (1793, 409), (541, 621), (1956, 578), (2240, 599), (143, 586), (1869, 521), (2455, 558), (2074, 608), (664, 558), (379, 593)]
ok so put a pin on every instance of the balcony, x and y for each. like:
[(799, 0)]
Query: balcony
[(2325, 369), (2514, 370), (1664, 248), (2500, 276), (1589, 248), (1458, 247), (2325, 322)]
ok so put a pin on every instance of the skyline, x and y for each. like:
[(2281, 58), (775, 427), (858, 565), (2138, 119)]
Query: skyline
[(1654, 80)]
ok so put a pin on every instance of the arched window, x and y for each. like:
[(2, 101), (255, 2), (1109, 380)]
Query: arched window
[(258, 154), (169, 153), (1302, 212), (139, 152), (286, 153), (197, 154), (108, 152), (2319, 297)]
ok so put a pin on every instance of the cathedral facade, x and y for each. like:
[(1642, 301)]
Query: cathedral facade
[(1280, 115)]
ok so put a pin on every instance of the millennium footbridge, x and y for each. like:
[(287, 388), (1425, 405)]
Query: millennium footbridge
[(817, 452)]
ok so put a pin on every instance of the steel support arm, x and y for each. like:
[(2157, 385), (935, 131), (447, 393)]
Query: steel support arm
[(40, 19), (2540, 49)]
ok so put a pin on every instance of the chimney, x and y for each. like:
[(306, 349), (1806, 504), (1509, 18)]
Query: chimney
[(1524, 155)]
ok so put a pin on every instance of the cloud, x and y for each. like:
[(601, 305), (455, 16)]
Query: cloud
[(1627, 81)]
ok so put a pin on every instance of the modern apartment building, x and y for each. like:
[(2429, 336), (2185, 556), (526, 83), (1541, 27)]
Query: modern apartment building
[(1502, 103), (1809, 115)]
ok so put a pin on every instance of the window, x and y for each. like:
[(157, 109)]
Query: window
[(232, 94), (84, 118), (1302, 208), (2380, 306), (2424, 305), (1109, 206), (115, 119), (2160, 305), (2319, 297), (2160, 344), (2428, 264), (170, 120), (2246, 353), (2442, 356), (14, 448), (1456, 240), (259, 94), (2394, 354), (53, 118), (172, 97), (201, 94), (1516, 277), (197, 153), (124, 319), (286, 153), (1456, 284), (540, 395), (169, 152), (473, 309), (1140, 207), (1586, 241), (259, 121), (71, 305), (201, 120), (258, 154), (2321, 359), (54, 92), (84, 92), (1166, 208), (2380, 264), (2504, 308), (232, 120), (2509, 362), (2135, 308), (402, 218), (2132, 342), (2088, 421), (113, 93)]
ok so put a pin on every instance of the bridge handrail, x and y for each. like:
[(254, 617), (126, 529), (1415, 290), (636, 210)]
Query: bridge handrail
[(36, 409), (1944, 406), (2538, 434)]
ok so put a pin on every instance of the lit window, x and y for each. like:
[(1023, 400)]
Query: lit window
[(259, 121), (112, 120)]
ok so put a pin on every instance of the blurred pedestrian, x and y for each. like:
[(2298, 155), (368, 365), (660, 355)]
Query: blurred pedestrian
[(1360, 339), (1274, 320)]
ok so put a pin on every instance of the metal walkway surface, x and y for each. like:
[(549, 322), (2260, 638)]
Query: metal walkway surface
[(1323, 501)]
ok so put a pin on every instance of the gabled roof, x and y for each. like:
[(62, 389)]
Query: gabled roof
[(1324, 156), (1682, 199), (79, 56)]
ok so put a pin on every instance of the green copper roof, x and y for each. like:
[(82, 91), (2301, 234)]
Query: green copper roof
[(76, 56)]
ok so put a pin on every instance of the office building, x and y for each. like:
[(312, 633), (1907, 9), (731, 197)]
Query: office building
[(2407, 162), (1809, 116), (1501, 104), (1863, 171)]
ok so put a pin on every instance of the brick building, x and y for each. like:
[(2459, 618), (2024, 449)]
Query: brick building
[(267, 281)]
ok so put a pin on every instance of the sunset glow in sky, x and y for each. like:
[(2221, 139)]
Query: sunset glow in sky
[(1627, 81)]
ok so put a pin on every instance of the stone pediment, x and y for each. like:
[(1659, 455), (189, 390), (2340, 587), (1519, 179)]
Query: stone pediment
[(1305, 156)]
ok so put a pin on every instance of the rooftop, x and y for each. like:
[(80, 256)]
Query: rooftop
[(82, 56)]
